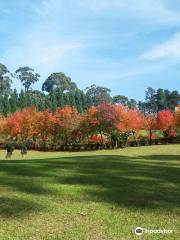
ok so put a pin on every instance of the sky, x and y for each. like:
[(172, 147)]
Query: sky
[(125, 45)]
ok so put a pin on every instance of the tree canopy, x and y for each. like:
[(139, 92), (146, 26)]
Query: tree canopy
[(27, 76), (5, 81), (98, 94), (58, 80), (61, 91)]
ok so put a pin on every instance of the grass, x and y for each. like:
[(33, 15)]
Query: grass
[(100, 195)]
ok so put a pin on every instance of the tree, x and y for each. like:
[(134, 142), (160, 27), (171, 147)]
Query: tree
[(59, 97), (66, 123), (161, 99), (5, 81), (132, 104), (23, 101), (150, 124), (22, 125), (99, 120), (174, 98), (53, 102), (166, 121), (142, 106), (128, 120), (106, 117), (6, 105), (13, 101), (151, 100), (177, 115), (27, 76), (38, 99), (58, 80), (44, 127), (98, 94), (14, 126), (120, 99), (79, 100), (88, 123)]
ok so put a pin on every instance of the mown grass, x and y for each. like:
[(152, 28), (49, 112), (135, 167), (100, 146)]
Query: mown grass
[(100, 195)]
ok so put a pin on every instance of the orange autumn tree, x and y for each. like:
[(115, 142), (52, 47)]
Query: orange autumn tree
[(14, 126), (100, 120), (87, 124), (44, 127), (166, 121), (100, 124), (177, 117), (129, 119), (150, 124), (22, 125), (66, 122), (89, 121), (107, 119)]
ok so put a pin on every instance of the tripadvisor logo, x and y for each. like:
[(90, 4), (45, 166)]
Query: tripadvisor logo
[(139, 231)]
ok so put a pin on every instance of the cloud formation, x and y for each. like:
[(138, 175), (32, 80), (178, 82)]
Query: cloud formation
[(169, 49), (118, 43), (152, 11)]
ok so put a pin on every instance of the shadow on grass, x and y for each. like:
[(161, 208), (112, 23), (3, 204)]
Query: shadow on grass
[(13, 207), (137, 182)]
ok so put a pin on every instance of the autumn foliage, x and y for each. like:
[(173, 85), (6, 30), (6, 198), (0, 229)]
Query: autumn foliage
[(166, 121), (67, 126)]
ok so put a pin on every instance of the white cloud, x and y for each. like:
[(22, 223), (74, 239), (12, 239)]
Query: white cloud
[(153, 11), (57, 39), (167, 50), (40, 50)]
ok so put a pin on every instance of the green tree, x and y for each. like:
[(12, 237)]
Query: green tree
[(66, 99), (132, 104), (59, 97), (72, 101), (6, 105), (120, 99), (151, 100), (174, 98), (23, 101), (27, 76), (38, 99), (5, 80), (13, 101), (78, 101), (58, 80), (161, 99), (53, 102), (98, 94)]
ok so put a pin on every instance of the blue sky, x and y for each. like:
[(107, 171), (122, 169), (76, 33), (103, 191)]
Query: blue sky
[(126, 45)]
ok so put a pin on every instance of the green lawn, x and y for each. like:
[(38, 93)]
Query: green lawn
[(90, 195)]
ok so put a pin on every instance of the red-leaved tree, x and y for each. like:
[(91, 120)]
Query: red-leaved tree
[(166, 121)]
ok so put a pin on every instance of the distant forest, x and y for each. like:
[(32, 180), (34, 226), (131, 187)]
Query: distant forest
[(58, 90)]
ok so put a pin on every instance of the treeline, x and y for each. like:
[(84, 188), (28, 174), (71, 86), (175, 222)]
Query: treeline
[(104, 124), (159, 100), (58, 90)]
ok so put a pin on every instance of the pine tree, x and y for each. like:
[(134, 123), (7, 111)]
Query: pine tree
[(6, 105), (78, 101), (53, 102), (66, 99), (13, 101)]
